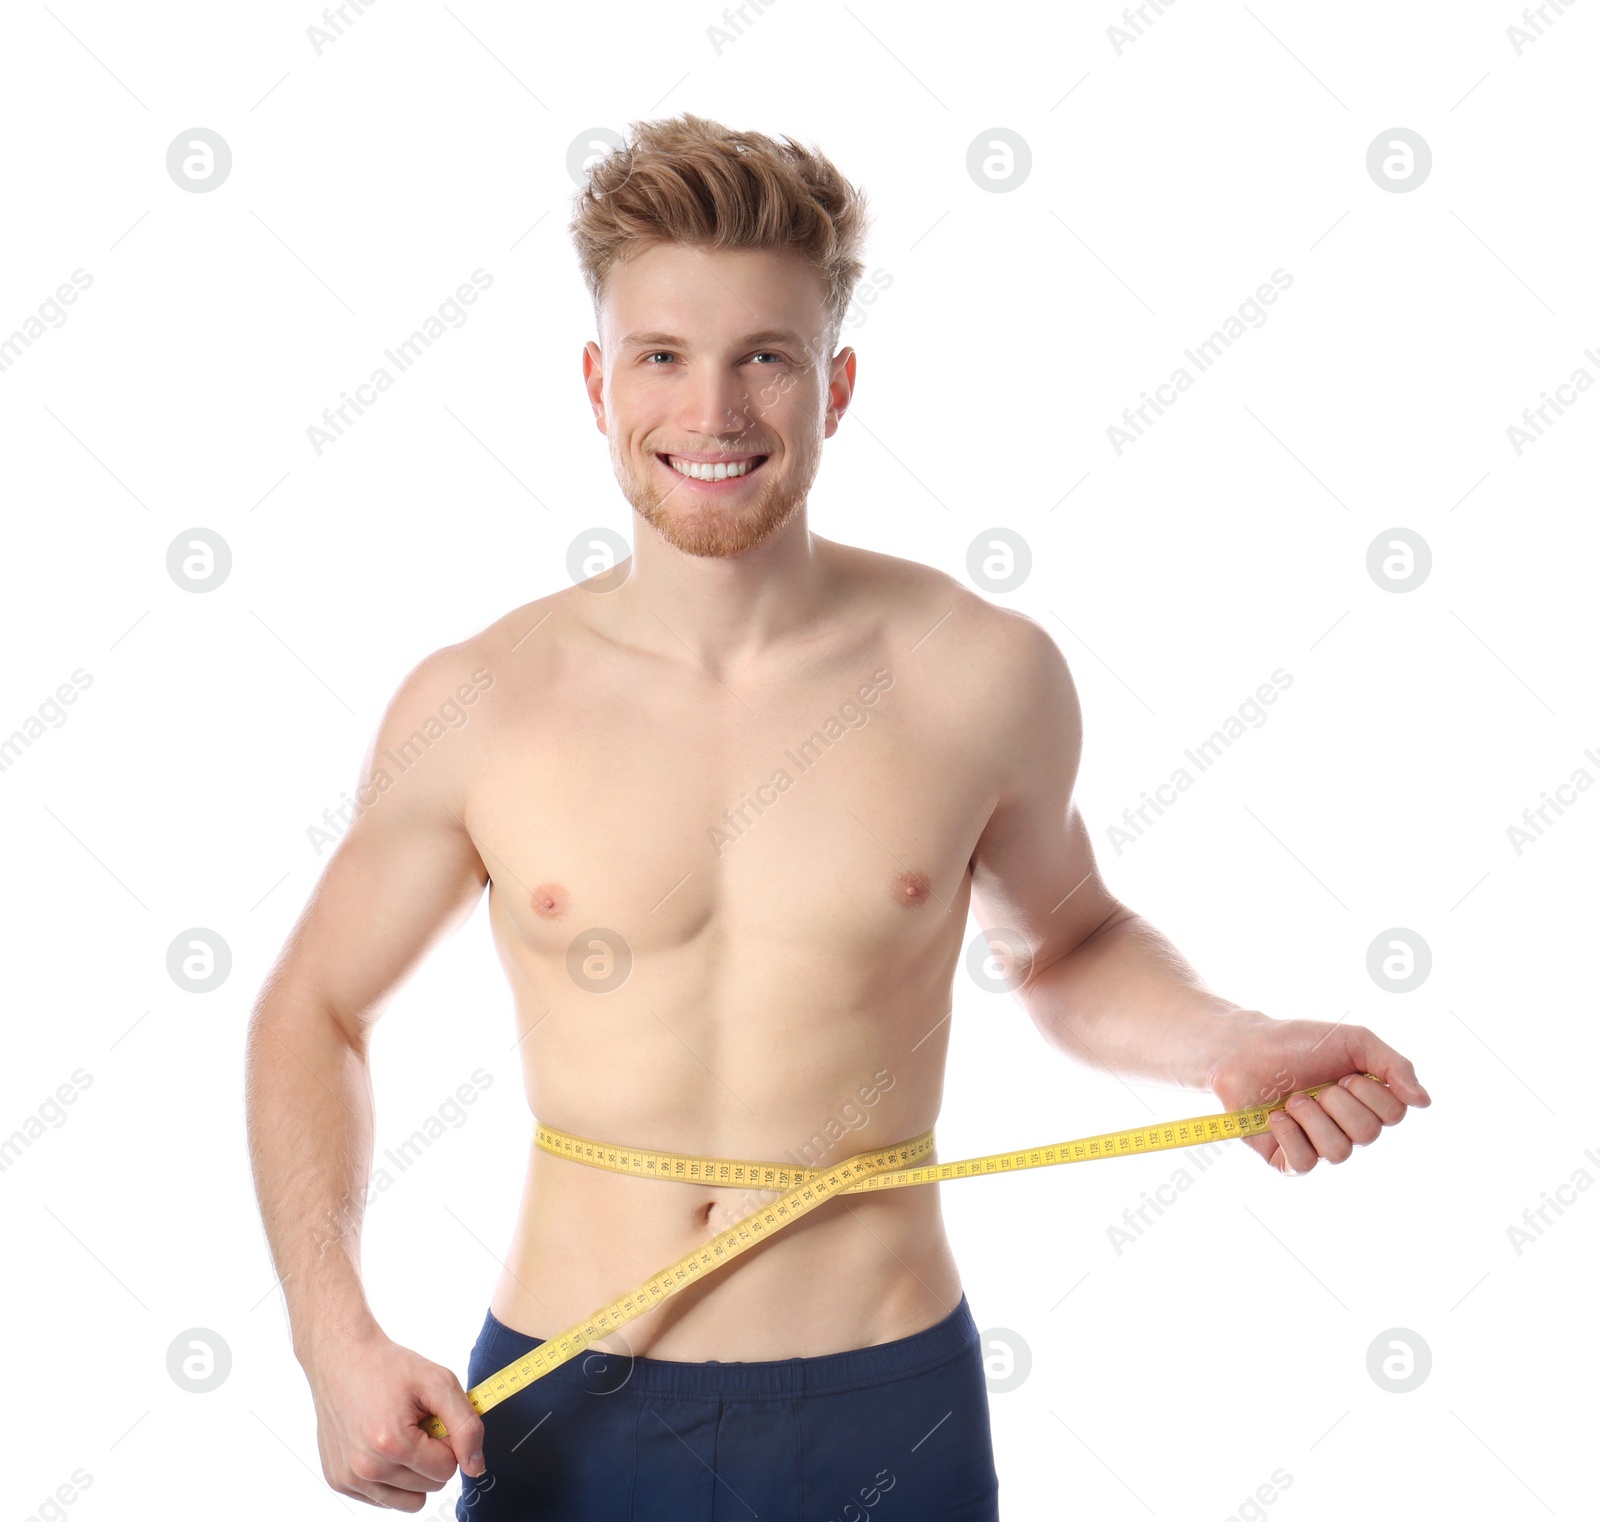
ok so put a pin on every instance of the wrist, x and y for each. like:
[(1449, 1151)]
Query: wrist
[(335, 1337), (1228, 1038)]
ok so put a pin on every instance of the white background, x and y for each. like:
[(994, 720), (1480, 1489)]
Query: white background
[(1168, 180)]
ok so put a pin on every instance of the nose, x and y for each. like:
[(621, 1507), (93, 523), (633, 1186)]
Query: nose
[(718, 404)]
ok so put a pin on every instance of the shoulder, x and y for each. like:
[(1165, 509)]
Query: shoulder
[(545, 624), (456, 686), (516, 655), (1002, 661), (1028, 704)]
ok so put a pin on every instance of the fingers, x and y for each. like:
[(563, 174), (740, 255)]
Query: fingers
[(385, 1483), (1379, 1057), (445, 1399), (395, 1470), (1349, 1114), (1295, 1153), (1375, 1096), (1358, 1124), (1306, 1132), (389, 1496)]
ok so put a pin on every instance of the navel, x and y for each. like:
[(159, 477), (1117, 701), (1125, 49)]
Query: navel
[(550, 901), (911, 889)]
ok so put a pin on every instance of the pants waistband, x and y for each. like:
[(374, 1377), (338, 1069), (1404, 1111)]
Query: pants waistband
[(604, 1372)]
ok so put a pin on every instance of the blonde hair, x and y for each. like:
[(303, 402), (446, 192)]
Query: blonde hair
[(687, 180)]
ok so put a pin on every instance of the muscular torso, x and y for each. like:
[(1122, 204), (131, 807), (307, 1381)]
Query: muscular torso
[(788, 944)]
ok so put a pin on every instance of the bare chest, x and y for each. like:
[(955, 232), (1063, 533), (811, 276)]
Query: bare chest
[(837, 810)]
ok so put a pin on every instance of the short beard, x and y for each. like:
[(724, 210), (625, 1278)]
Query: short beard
[(712, 531)]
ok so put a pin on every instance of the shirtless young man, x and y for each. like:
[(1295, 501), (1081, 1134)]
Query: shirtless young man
[(788, 944)]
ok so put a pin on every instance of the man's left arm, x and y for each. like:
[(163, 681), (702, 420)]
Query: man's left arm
[(1105, 986)]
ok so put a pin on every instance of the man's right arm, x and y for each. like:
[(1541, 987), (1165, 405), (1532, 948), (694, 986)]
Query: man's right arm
[(405, 874)]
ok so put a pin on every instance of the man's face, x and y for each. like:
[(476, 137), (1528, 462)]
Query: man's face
[(719, 355)]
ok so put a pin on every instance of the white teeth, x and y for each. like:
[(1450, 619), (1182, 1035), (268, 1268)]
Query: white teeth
[(718, 472)]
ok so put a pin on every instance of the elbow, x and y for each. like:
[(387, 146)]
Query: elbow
[(1050, 955)]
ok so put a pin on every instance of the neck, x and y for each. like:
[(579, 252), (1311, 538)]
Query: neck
[(721, 612)]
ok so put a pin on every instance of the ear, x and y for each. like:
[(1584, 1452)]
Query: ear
[(841, 385), (594, 381)]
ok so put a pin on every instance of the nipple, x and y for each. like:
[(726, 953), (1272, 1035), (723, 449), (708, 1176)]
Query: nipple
[(550, 901), (911, 889)]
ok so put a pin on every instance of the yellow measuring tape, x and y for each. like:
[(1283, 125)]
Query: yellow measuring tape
[(894, 1167)]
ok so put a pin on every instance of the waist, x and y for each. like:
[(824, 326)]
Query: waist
[(715, 1171), (862, 1269)]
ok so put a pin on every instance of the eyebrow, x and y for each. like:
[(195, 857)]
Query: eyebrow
[(671, 341)]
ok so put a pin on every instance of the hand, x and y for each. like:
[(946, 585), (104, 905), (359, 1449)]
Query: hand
[(370, 1395), (1267, 1059)]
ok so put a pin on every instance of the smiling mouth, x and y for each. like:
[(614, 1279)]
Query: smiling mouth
[(712, 473)]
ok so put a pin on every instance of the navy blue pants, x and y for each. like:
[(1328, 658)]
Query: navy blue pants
[(896, 1432)]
